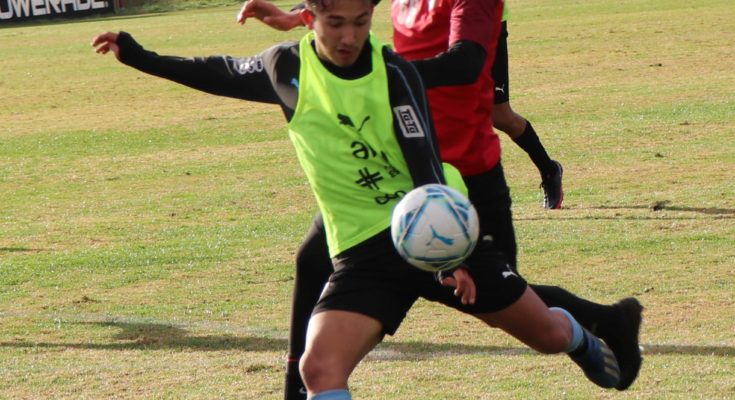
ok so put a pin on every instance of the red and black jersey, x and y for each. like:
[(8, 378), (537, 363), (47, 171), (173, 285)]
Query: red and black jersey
[(426, 28)]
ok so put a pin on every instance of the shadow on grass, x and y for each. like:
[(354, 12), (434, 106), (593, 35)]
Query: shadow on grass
[(146, 336), (678, 349), (664, 205), (154, 336), (418, 350), (718, 213), (17, 250)]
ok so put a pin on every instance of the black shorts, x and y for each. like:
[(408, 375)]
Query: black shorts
[(372, 279), (500, 67)]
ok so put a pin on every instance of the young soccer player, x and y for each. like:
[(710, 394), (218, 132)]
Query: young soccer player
[(334, 76), (449, 42)]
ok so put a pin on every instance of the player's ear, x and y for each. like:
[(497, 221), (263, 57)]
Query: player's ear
[(307, 17)]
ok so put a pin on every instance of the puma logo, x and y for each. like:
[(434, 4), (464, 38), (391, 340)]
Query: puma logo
[(434, 235), (507, 274), (346, 120)]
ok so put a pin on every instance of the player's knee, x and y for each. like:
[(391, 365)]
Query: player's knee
[(508, 121), (318, 373), (312, 371), (502, 120)]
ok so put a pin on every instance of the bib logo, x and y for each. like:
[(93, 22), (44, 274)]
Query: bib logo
[(410, 124), (28, 9)]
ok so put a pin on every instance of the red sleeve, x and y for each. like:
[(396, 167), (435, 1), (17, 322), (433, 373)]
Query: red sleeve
[(475, 20)]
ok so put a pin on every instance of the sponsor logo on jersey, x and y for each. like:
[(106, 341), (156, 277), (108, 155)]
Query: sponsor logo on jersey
[(410, 124), (249, 65)]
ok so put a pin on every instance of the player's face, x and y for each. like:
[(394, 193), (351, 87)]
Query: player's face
[(341, 29)]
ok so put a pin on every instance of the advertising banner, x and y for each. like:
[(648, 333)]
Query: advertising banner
[(22, 10)]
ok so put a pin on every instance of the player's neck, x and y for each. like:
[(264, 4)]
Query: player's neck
[(361, 67)]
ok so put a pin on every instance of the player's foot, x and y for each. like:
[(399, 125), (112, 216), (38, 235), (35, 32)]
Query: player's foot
[(598, 362), (623, 341), (553, 192)]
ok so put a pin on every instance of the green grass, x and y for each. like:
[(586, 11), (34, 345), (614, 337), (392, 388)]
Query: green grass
[(147, 231)]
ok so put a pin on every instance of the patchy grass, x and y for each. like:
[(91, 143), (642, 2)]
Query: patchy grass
[(147, 231)]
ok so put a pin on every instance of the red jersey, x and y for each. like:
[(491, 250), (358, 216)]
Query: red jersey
[(425, 28)]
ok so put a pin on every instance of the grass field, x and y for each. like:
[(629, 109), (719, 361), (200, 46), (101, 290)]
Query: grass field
[(147, 231)]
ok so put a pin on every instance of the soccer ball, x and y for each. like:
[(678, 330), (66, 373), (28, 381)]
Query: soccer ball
[(434, 227)]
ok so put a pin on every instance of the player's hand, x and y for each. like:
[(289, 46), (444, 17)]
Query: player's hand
[(464, 285), (269, 14), (105, 42)]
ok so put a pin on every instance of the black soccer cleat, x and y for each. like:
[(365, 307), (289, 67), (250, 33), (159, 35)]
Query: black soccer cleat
[(552, 187), (598, 362), (624, 340)]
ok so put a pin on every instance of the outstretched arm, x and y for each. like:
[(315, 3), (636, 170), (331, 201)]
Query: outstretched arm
[(243, 78), (106, 42), (270, 15)]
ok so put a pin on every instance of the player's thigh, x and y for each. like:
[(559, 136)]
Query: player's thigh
[(530, 321), (499, 70), (338, 339), (498, 286)]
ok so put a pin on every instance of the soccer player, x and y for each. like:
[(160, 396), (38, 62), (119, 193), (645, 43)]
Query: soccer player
[(449, 43), (519, 128), (360, 124)]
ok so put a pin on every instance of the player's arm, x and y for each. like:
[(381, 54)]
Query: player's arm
[(270, 15), (414, 131), (243, 78), (473, 23), (461, 64), (412, 121)]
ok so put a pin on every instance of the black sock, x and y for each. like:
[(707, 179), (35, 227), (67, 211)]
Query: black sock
[(594, 317), (294, 387), (531, 144)]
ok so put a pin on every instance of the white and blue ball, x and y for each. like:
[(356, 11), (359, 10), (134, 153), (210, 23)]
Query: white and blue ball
[(434, 227)]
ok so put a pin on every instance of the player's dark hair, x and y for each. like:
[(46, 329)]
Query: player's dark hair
[(322, 4)]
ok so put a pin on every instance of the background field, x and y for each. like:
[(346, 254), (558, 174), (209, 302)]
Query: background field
[(147, 230)]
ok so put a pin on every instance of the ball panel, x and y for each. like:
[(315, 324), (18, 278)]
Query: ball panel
[(434, 227)]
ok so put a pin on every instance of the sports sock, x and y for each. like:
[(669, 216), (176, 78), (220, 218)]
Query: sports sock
[(592, 316), (337, 394), (531, 144), (294, 388), (577, 332), (592, 355)]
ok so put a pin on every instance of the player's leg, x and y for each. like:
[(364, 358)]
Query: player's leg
[(336, 342), (504, 300), (313, 267), (368, 295), (520, 130), (490, 195), (554, 330), (503, 116)]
